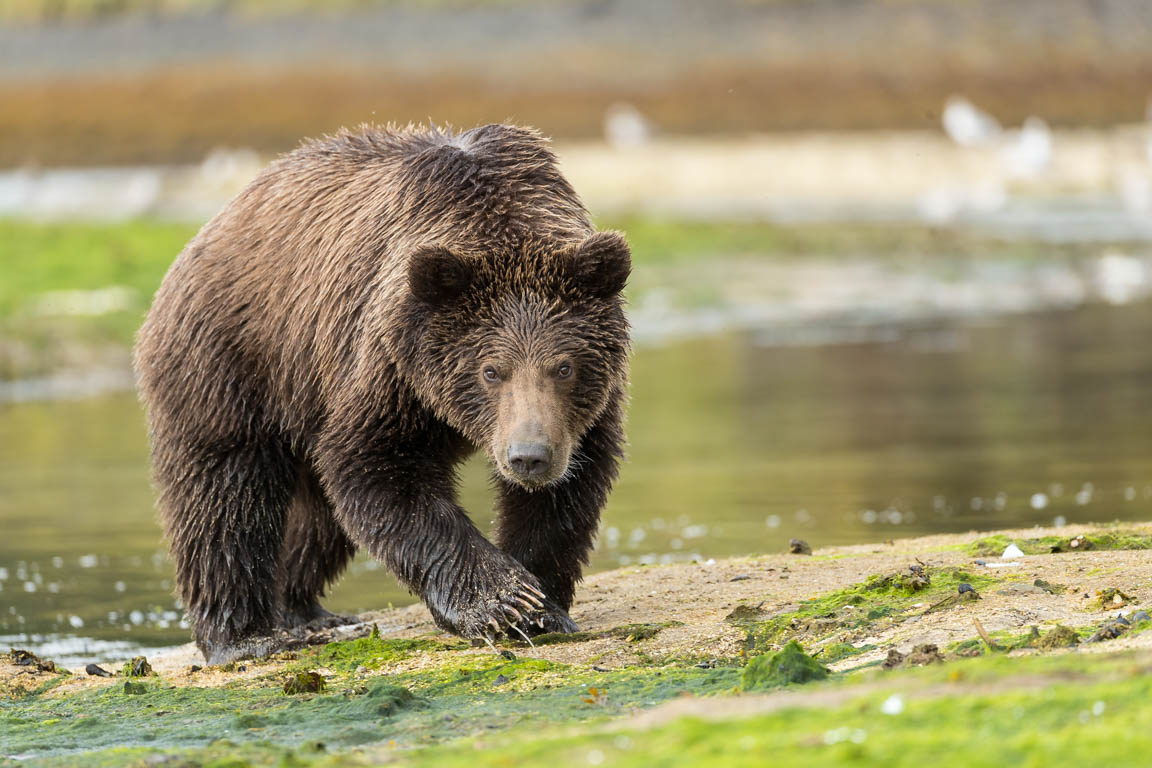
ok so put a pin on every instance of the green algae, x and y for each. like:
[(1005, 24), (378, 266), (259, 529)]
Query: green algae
[(788, 666), (371, 652), (976, 711), (993, 546), (838, 618), (1061, 725), (459, 694)]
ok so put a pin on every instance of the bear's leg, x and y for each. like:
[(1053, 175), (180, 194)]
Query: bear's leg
[(551, 530), (223, 502), (316, 551), (389, 469)]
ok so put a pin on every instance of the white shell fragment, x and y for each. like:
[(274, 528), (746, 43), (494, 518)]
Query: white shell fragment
[(1011, 551)]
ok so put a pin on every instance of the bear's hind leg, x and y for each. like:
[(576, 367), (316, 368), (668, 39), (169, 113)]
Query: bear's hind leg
[(316, 552), (223, 503)]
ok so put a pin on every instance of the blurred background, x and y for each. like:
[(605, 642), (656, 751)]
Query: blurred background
[(892, 257)]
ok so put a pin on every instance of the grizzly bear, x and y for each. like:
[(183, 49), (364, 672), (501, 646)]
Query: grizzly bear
[(372, 309)]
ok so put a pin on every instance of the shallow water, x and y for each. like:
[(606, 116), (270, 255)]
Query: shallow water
[(737, 444)]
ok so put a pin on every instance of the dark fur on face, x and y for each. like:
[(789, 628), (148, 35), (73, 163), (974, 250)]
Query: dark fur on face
[(321, 357), (524, 343)]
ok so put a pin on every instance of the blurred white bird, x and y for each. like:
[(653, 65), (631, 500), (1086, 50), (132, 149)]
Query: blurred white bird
[(625, 127), (1026, 153), (967, 125)]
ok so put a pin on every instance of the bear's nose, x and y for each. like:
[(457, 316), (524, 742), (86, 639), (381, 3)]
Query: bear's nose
[(529, 459)]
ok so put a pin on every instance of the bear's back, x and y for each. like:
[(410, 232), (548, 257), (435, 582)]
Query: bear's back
[(278, 281)]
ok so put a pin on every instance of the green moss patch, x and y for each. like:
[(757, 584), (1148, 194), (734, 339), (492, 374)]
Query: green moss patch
[(371, 652), (788, 666), (993, 546), (838, 620), (454, 695)]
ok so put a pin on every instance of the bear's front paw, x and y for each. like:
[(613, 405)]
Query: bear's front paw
[(517, 607)]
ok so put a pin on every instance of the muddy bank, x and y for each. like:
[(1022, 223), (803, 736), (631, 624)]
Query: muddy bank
[(1033, 616)]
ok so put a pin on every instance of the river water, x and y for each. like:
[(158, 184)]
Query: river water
[(738, 442)]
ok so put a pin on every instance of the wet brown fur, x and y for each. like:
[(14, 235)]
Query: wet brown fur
[(311, 368)]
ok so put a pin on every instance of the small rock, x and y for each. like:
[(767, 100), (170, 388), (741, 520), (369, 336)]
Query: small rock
[(599, 668), (741, 577), (1080, 543), (134, 689), (1109, 631), (361, 670), (895, 659), (193, 668), (799, 547), (1049, 587), (1120, 619), (1059, 637), (980, 562), (1111, 598), (137, 666), (500, 680), (28, 659), (965, 587), (1011, 552), (97, 671), (744, 613), (508, 655), (1138, 616), (304, 682), (925, 654)]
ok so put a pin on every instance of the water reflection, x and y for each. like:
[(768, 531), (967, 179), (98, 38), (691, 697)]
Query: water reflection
[(736, 446)]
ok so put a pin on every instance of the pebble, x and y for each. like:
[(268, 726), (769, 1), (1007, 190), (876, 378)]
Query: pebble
[(1138, 616), (799, 547), (500, 680)]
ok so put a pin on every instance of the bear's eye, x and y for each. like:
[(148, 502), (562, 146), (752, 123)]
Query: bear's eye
[(564, 371), (490, 375)]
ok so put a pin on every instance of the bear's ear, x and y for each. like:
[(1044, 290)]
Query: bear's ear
[(437, 276), (601, 264)]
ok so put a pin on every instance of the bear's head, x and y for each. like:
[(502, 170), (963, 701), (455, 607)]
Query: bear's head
[(520, 348)]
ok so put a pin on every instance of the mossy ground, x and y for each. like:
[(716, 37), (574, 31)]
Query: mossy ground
[(641, 688), (834, 623), (1033, 711), (476, 693), (1106, 540)]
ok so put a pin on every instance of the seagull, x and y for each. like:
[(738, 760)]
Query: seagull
[(625, 127), (1026, 153), (968, 125)]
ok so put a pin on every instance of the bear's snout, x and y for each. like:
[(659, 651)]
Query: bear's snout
[(530, 460)]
